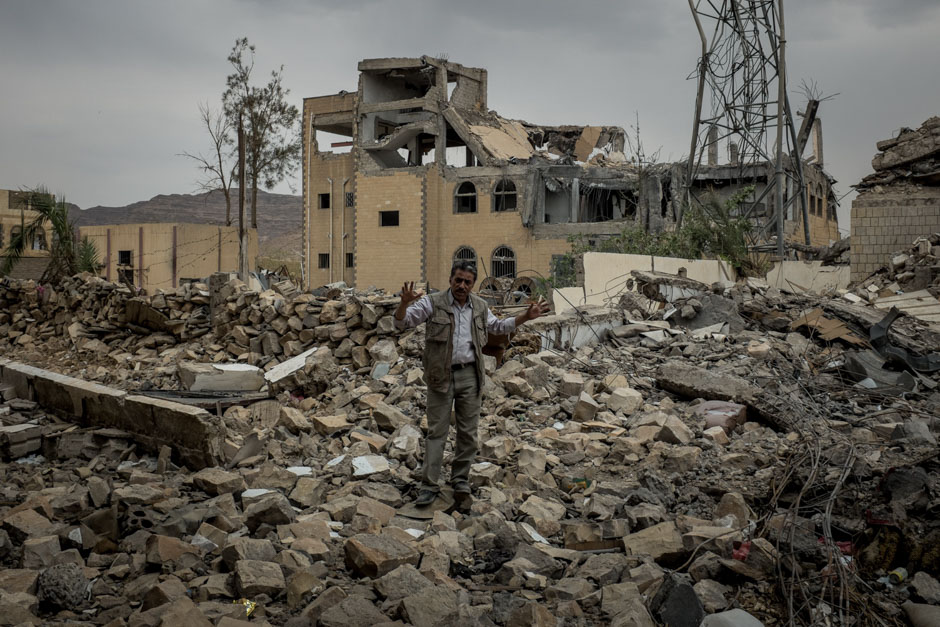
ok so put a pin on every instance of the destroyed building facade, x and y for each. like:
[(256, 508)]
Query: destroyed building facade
[(900, 201), (412, 171), (163, 255), (724, 178), (14, 215)]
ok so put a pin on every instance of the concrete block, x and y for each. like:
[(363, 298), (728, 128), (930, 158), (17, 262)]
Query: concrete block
[(199, 377)]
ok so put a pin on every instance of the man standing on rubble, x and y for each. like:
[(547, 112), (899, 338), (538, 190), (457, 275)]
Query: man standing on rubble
[(457, 326)]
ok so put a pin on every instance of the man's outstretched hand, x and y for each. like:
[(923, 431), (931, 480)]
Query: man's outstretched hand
[(536, 310), (408, 294)]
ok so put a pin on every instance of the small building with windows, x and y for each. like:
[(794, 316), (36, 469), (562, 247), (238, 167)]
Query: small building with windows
[(412, 170), (15, 213), (162, 255)]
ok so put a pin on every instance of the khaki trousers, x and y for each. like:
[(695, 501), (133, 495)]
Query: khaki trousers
[(464, 396)]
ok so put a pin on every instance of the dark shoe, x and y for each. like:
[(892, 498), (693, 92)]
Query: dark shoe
[(425, 497), (461, 487)]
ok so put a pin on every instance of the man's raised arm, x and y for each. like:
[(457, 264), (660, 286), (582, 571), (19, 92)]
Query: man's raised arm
[(407, 315)]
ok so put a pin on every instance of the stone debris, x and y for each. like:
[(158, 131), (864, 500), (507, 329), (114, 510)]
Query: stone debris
[(634, 481)]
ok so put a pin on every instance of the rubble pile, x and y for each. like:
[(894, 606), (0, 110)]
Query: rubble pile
[(267, 327), (913, 157), (109, 332), (88, 308), (723, 462), (917, 268)]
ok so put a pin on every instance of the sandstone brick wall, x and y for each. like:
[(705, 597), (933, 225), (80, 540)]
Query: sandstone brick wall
[(321, 168), (387, 256), (28, 267), (886, 222), (484, 231)]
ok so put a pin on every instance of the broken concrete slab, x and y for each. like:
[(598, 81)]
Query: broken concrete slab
[(199, 377)]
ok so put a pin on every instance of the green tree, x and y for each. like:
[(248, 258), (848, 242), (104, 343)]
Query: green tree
[(87, 256), (272, 135), (51, 214)]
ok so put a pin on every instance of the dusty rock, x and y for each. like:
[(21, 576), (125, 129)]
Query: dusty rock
[(353, 611), (215, 481), (373, 556), (254, 577), (433, 605), (662, 542), (926, 587), (328, 425), (731, 618), (401, 582), (63, 586), (585, 408)]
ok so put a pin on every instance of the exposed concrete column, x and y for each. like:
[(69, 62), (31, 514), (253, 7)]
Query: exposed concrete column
[(575, 199), (440, 142), (818, 142), (651, 199), (713, 146)]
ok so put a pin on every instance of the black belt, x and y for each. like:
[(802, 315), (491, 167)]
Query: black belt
[(461, 366)]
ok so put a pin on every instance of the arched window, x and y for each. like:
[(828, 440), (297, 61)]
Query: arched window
[(820, 202), (503, 263), (15, 232), (39, 239), (812, 204), (465, 198), (504, 196), (465, 253)]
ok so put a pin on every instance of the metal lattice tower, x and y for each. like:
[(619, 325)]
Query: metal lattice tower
[(742, 102)]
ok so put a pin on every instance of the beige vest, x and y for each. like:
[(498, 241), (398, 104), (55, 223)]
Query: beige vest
[(439, 340)]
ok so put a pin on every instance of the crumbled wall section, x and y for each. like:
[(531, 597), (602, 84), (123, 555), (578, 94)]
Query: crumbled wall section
[(195, 435), (886, 222), (28, 267)]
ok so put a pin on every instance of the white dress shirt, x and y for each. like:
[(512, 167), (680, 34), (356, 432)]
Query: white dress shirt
[(420, 310)]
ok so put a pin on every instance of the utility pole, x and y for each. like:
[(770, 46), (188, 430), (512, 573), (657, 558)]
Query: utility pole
[(242, 231), (781, 104), (737, 103)]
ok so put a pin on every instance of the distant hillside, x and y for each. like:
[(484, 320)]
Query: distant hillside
[(280, 216)]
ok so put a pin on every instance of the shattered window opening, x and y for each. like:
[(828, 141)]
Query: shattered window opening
[(465, 253), (125, 257), (349, 260), (503, 263), (562, 267), (465, 198), (39, 239), (324, 200), (388, 218), (323, 260), (504, 196), (333, 143), (597, 204)]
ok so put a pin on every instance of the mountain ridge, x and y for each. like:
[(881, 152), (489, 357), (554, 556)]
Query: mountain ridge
[(280, 216)]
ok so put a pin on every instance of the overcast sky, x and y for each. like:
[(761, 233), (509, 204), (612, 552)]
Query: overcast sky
[(100, 96)]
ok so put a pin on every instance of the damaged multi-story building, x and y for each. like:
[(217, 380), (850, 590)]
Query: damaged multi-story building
[(412, 171), (15, 213), (898, 202)]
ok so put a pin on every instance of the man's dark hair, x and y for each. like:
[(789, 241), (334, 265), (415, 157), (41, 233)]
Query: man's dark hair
[(466, 266)]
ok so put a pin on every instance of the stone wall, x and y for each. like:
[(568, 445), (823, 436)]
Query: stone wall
[(884, 222)]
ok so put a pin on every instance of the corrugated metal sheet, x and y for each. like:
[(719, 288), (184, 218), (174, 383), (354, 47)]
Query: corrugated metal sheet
[(922, 305)]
